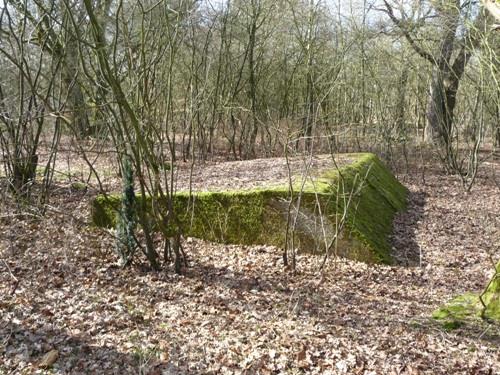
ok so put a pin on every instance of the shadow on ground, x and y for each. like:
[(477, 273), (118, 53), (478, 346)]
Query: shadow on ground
[(405, 248)]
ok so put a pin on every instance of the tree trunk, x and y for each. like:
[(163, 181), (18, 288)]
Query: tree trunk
[(439, 114), (443, 97), (497, 127), (250, 152), (309, 118)]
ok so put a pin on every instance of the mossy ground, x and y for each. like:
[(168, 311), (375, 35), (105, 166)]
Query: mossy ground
[(468, 306), (259, 216)]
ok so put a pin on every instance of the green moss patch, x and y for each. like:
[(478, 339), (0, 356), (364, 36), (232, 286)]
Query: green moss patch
[(469, 307), (366, 189)]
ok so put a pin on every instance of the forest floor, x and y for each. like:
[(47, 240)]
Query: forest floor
[(236, 309)]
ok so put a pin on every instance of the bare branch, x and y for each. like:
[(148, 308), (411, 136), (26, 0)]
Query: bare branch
[(398, 22)]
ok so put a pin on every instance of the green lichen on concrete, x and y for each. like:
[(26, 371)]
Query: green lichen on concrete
[(468, 306), (104, 210), (227, 217), (259, 216), (380, 198)]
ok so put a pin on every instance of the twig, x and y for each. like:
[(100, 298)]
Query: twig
[(10, 271), (16, 280), (484, 332)]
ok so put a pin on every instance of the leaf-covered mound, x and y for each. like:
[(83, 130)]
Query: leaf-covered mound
[(364, 189)]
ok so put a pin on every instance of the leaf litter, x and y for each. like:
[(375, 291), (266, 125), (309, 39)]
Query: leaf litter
[(66, 307)]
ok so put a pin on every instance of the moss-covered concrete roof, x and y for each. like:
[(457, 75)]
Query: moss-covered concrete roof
[(359, 186)]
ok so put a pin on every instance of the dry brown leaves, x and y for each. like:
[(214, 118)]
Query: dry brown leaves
[(235, 310)]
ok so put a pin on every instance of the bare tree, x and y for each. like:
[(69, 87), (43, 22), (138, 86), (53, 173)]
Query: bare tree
[(28, 90), (448, 57)]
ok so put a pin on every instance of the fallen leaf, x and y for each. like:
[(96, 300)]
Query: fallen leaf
[(48, 359), (302, 354)]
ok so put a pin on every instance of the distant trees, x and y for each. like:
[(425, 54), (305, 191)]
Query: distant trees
[(240, 71)]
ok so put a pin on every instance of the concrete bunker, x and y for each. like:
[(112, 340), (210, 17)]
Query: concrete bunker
[(360, 189)]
